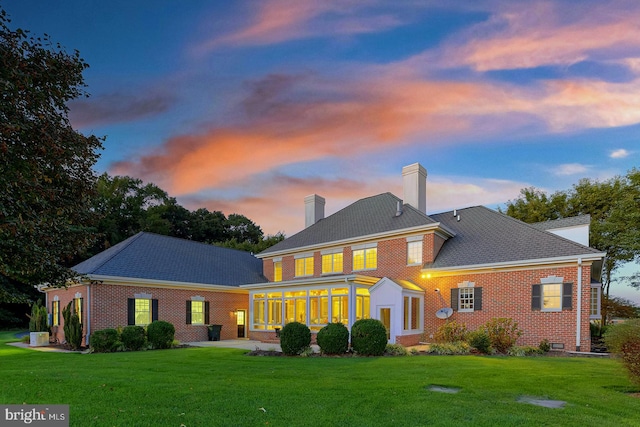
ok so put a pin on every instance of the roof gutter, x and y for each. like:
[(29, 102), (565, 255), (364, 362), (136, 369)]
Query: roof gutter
[(356, 278), (455, 269), (153, 283)]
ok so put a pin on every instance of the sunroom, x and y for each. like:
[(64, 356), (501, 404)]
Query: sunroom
[(315, 302)]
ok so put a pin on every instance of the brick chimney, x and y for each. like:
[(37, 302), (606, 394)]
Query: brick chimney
[(313, 209), (414, 185)]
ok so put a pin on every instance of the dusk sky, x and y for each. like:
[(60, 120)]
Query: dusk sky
[(248, 106)]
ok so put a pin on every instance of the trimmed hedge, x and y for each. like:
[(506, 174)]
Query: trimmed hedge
[(161, 334), (333, 339), (104, 341), (369, 337), (295, 337), (133, 337)]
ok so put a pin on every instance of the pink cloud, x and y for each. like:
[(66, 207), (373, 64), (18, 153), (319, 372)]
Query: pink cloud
[(280, 206), (533, 34), (285, 20)]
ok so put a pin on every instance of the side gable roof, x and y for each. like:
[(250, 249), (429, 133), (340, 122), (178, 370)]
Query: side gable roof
[(484, 236), (156, 257), (371, 215)]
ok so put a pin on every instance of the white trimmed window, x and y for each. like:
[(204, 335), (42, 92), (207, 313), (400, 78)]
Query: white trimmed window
[(277, 271), (414, 252), (467, 297), (332, 262), (365, 257), (411, 313), (595, 302), (55, 313), (77, 306), (197, 311), (304, 266), (143, 311), (552, 295)]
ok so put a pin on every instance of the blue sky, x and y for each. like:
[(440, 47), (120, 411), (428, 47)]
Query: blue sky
[(249, 106)]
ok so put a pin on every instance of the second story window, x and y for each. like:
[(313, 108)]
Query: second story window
[(332, 263), (365, 259), (277, 271), (304, 266), (414, 252)]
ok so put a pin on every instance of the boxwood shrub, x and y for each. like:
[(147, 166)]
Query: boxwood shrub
[(295, 337), (133, 338), (333, 339), (368, 337), (104, 341), (161, 334)]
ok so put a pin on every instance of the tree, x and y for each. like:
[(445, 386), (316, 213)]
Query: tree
[(46, 175), (122, 203), (242, 229), (621, 308), (614, 207), (264, 243)]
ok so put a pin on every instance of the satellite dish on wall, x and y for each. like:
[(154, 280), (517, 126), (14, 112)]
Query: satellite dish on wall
[(444, 313)]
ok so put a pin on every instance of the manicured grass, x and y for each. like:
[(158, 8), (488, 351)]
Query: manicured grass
[(212, 386)]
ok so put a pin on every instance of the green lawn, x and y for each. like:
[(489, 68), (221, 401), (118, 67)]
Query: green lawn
[(212, 386)]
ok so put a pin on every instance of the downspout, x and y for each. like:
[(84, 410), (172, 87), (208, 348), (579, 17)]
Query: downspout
[(579, 305), (88, 335)]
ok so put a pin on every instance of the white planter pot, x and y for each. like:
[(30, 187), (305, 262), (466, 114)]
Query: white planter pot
[(38, 339)]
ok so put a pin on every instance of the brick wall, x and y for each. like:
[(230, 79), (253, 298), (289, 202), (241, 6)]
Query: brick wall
[(508, 294), (64, 296), (392, 260), (109, 308)]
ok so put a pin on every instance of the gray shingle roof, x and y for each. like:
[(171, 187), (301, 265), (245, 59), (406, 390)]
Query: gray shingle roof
[(157, 257), (484, 236), (367, 216), (563, 222)]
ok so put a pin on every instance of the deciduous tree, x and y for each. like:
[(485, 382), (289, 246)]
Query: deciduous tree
[(46, 175)]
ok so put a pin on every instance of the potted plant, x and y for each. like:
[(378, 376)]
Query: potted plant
[(38, 326)]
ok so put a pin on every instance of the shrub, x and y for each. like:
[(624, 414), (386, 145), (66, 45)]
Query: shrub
[(369, 337), (395, 350), (161, 334), (624, 340), (333, 339), (544, 346), (521, 351), (39, 318), (104, 341), (451, 332), (480, 341), (450, 348), (133, 338), (503, 333), (72, 327), (294, 338)]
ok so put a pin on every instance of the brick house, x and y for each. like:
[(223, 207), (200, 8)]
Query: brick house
[(385, 258), (380, 257), (149, 277)]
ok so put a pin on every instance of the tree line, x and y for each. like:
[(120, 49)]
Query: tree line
[(614, 207)]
